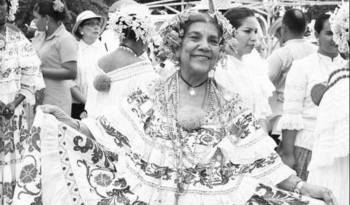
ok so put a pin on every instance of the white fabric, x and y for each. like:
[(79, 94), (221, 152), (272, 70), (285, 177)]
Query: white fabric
[(299, 111), (279, 64), (249, 79), (335, 177), (88, 56), (332, 127), (122, 79)]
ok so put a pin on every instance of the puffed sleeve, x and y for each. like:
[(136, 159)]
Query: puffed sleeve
[(247, 146), (29, 63), (294, 94), (67, 48)]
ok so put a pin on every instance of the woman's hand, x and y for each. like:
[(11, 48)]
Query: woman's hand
[(2, 107), (9, 110), (60, 115), (319, 192)]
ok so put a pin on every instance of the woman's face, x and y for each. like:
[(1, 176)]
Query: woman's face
[(246, 35), (3, 12), (40, 21), (325, 39), (200, 48), (91, 29)]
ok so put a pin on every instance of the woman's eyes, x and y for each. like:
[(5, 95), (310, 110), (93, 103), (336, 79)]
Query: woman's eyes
[(198, 38)]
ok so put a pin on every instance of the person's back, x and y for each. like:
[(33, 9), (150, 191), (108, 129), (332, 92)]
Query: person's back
[(280, 61)]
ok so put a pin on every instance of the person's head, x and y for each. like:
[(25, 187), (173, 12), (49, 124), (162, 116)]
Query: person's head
[(48, 12), (246, 24), (88, 26), (196, 39), (293, 24), (324, 35), (132, 24), (4, 9)]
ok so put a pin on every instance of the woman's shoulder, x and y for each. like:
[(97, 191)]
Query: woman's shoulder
[(116, 60)]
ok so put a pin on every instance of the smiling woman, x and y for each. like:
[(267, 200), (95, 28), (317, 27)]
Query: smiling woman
[(160, 145)]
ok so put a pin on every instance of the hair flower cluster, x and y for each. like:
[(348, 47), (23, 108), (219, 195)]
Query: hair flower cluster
[(339, 20), (135, 17), (58, 5), (13, 9), (172, 32)]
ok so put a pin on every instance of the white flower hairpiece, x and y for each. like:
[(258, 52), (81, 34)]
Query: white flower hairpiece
[(339, 20), (58, 5), (134, 17), (172, 33), (13, 9)]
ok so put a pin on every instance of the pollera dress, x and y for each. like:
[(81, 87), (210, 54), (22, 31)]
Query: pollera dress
[(19, 74), (139, 154)]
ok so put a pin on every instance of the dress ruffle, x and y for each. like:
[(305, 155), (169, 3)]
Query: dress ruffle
[(291, 122)]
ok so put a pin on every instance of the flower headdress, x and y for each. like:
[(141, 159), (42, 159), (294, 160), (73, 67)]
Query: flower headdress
[(172, 31), (134, 17), (339, 20), (13, 9), (58, 5)]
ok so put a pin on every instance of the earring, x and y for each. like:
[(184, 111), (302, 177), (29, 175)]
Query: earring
[(46, 27), (211, 73)]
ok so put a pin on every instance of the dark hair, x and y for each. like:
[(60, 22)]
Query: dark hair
[(2, 2), (201, 17), (237, 15), (319, 23), (45, 7), (295, 20)]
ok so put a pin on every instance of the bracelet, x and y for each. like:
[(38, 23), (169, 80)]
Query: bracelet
[(297, 187), (78, 125)]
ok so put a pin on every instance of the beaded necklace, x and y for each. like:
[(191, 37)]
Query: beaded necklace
[(175, 131), (129, 50)]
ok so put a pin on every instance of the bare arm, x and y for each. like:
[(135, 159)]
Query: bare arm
[(77, 95), (69, 71)]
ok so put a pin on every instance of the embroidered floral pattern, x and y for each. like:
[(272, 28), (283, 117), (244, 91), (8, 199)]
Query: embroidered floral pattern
[(28, 173)]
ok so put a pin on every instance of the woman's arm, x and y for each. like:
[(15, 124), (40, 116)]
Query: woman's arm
[(77, 95), (295, 184), (69, 71)]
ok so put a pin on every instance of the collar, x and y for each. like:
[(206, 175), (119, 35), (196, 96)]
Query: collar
[(337, 59), (291, 41), (57, 32), (83, 45)]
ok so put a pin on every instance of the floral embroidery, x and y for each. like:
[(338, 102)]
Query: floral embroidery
[(103, 180), (28, 173), (119, 139)]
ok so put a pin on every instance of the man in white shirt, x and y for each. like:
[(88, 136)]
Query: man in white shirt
[(295, 47), (299, 111)]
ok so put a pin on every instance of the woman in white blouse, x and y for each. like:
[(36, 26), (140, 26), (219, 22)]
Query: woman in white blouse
[(87, 29), (299, 112), (244, 72)]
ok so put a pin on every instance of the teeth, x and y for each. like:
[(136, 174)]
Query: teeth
[(202, 57)]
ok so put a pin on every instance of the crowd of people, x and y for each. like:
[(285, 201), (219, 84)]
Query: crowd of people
[(181, 113)]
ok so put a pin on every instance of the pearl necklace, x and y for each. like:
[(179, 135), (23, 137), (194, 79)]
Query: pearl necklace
[(129, 50)]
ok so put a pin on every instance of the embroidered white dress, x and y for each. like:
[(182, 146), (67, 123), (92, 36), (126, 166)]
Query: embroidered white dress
[(19, 74), (122, 79), (140, 155), (329, 164)]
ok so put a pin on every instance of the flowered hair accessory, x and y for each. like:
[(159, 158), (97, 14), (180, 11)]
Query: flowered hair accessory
[(58, 6), (339, 20), (135, 17), (13, 9), (172, 32)]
